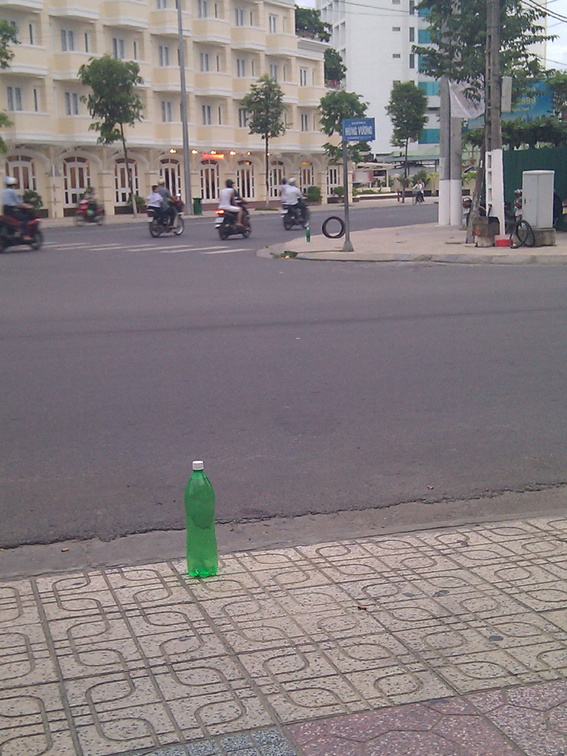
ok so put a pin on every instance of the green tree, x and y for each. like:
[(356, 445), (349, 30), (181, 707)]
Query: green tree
[(407, 110), (458, 41), (335, 107), (308, 24), (335, 69), (113, 101), (557, 82), (8, 36), (264, 103)]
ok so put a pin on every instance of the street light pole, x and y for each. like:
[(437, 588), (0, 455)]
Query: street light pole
[(184, 121)]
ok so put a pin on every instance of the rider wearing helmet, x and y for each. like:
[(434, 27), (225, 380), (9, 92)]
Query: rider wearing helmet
[(294, 197), (167, 208), (13, 205), (227, 200)]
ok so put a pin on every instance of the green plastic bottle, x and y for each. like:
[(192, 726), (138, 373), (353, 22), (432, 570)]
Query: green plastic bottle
[(307, 234), (202, 554)]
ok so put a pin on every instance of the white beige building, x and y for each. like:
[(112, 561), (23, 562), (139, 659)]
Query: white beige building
[(229, 44)]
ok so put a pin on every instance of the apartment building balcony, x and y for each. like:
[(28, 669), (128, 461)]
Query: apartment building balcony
[(28, 60), (310, 140), (214, 137), (64, 65), (27, 5), (129, 14), (241, 86), (73, 128), (248, 38), (74, 9), (212, 84), (211, 30), (27, 125), (164, 22), (281, 44), (310, 95), (289, 91), (166, 79)]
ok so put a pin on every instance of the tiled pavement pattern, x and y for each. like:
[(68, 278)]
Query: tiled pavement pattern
[(449, 642)]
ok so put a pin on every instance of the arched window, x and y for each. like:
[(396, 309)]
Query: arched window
[(76, 179), (170, 172), (22, 167), (276, 176), (121, 183), (333, 178), (245, 179), (209, 179), (306, 178)]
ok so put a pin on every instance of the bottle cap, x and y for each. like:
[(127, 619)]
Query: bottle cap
[(198, 465)]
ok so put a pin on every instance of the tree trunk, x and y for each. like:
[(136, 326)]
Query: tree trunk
[(128, 172), (477, 191), (267, 173)]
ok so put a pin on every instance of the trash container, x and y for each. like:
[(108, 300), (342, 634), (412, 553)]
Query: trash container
[(197, 206), (485, 230)]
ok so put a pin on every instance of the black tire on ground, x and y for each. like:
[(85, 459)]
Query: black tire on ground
[(223, 232), (522, 235), (333, 227), (287, 222), (246, 233)]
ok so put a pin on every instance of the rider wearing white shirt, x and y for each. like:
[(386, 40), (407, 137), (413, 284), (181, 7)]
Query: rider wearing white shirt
[(227, 198)]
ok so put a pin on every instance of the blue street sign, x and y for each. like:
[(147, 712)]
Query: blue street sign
[(358, 130)]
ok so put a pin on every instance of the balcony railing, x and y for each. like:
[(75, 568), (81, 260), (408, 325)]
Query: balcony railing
[(74, 9), (248, 38), (126, 13)]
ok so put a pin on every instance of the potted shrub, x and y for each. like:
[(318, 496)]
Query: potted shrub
[(34, 199), (313, 194)]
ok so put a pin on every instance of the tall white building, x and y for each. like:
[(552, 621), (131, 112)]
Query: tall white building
[(375, 39), (229, 44)]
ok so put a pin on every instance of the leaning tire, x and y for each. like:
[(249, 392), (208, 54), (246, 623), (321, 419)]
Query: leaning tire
[(333, 227), (246, 233), (288, 223), (179, 226), (223, 232)]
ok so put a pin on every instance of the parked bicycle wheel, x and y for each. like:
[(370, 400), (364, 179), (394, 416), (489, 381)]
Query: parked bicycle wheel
[(333, 227), (522, 235)]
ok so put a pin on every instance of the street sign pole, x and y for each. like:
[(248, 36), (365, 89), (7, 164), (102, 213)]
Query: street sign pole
[(347, 246), (354, 130)]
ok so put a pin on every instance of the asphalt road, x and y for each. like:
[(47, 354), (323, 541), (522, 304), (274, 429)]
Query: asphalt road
[(305, 387)]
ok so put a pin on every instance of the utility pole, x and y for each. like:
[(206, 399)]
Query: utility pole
[(444, 212), (184, 118), (494, 170)]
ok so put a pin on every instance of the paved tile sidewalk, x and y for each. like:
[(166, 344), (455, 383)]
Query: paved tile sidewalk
[(450, 641)]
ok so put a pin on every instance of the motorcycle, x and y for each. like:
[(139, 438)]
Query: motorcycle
[(295, 215), (84, 213), (11, 234), (162, 225), (226, 224)]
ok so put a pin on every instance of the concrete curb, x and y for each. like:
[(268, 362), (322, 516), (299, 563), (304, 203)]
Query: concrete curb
[(381, 245)]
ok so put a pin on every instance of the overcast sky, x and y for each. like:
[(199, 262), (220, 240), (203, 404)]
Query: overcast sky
[(556, 51)]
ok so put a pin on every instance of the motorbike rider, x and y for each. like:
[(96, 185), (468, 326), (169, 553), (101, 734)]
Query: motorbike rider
[(14, 206), (167, 207), (227, 200), (90, 198), (294, 197), (155, 201)]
